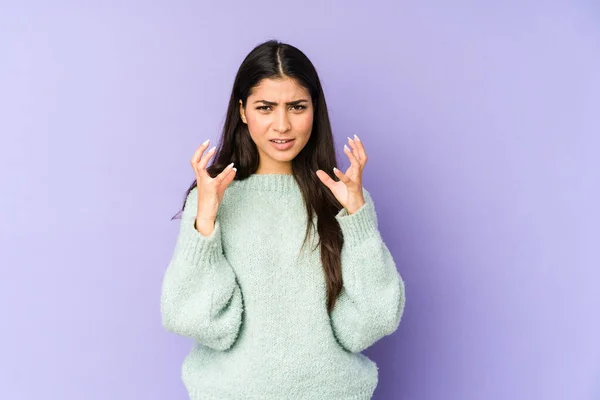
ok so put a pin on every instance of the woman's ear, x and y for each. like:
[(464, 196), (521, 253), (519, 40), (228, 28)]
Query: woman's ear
[(242, 112)]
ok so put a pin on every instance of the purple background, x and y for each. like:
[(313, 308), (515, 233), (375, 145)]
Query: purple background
[(482, 125)]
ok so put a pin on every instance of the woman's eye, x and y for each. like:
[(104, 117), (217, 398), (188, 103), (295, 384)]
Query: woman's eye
[(295, 108)]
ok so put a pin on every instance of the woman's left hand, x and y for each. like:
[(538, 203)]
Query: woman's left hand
[(348, 191)]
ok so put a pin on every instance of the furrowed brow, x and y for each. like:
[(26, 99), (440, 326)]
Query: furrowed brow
[(290, 103)]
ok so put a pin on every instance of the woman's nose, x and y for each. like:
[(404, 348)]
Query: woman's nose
[(282, 122)]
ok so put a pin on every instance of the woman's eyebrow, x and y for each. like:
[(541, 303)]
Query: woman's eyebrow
[(290, 103)]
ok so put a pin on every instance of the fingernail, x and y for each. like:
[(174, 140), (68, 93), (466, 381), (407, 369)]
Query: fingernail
[(205, 143), (213, 149), (356, 137), (230, 165), (346, 147), (349, 138), (335, 169), (235, 169)]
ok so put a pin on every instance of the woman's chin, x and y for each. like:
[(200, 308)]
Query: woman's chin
[(284, 157)]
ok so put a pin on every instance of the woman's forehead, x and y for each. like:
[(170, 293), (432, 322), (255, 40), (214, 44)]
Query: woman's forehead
[(285, 89)]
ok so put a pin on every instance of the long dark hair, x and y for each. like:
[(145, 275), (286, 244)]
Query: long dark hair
[(274, 59)]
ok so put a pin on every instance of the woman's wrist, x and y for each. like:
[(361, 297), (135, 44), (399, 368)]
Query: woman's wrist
[(204, 225)]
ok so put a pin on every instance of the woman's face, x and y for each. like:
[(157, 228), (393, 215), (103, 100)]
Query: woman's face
[(278, 109)]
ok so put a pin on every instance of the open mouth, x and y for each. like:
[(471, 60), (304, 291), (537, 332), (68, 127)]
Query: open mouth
[(283, 144)]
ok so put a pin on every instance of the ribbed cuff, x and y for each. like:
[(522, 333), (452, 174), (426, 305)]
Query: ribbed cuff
[(204, 395), (359, 226), (195, 248)]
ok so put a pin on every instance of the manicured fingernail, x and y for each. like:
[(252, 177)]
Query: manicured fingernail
[(346, 148), (350, 139), (213, 149), (356, 137), (334, 169), (235, 169), (230, 165), (205, 143)]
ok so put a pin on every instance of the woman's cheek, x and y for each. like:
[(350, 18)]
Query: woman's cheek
[(307, 125), (260, 122)]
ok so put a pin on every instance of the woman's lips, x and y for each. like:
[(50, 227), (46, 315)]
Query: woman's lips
[(283, 146)]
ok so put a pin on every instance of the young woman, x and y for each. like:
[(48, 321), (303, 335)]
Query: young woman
[(279, 272)]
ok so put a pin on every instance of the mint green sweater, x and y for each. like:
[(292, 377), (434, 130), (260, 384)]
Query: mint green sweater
[(256, 306)]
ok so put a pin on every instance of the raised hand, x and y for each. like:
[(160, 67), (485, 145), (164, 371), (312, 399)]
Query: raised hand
[(348, 191), (210, 190)]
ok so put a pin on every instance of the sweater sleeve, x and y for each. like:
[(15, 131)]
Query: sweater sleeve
[(371, 302), (201, 297)]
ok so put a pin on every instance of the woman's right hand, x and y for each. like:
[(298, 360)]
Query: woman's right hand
[(210, 190)]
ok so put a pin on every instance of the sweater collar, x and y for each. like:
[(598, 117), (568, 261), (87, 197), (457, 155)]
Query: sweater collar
[(283, 183)]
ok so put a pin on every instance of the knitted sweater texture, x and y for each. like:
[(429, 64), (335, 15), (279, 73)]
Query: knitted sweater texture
[(255, 304)]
